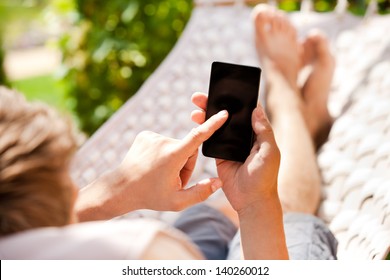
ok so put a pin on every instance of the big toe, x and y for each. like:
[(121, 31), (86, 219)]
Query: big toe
[(316, 48), (263, 15)]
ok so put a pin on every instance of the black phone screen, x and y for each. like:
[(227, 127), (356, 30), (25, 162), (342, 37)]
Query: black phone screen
[(234, 88)]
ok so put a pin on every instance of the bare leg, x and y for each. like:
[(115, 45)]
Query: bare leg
[(316, 89), (299, 178), (300, 117)]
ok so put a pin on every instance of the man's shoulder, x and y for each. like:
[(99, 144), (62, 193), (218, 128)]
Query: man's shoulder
[(125, 239)]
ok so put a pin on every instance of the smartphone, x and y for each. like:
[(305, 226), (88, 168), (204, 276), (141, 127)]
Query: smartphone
[(234, 88)]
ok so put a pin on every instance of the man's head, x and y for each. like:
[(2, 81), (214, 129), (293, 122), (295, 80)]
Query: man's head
[(36, 146)]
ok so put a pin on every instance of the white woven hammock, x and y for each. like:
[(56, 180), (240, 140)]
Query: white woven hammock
[(355, 162)]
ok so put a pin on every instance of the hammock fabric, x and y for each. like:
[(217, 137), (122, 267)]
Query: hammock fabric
[(355, 162)]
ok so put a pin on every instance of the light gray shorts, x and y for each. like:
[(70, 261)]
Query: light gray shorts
[(307, 237)]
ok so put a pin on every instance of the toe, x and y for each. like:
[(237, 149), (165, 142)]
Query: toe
[(308, 54), (317, 40), (262, 15), (320, 49), (262, 11)]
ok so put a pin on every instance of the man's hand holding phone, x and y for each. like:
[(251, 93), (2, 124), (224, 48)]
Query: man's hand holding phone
[(245, 148), (247, 157), (256, 178), (251, 188)]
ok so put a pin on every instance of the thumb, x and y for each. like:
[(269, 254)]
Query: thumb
[(261, 125), (200, 192)]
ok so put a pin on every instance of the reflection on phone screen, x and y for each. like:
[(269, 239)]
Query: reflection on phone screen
[(234, 88)]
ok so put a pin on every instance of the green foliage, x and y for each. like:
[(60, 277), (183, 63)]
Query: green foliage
[(113, 49), (357, 7), (324, 5), (384, 8), (318, 5), (3, 78), (43, 88)]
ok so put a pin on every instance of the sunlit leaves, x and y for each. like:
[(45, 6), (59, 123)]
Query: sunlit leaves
[(118, 43)]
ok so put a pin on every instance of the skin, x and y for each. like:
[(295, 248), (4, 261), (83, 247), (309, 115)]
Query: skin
[(250, 187), (299, 115), (159, 184)]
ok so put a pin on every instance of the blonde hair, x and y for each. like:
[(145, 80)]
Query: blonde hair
[(36, 146)]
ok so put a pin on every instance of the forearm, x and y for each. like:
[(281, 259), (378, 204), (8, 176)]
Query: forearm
[(103, 199), (262, 232)]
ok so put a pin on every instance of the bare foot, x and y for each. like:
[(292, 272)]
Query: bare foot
[(316, 89), (274, 35), (280, 56)]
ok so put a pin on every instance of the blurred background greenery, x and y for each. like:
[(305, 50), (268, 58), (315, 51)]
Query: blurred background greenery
[(106, 49)]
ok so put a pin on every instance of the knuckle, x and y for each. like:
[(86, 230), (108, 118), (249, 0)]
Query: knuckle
[(196, 134)]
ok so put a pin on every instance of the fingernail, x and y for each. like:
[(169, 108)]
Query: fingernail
[(223, 113), (258, 125)]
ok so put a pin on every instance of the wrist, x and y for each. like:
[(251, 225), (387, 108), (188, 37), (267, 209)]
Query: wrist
[(262, 231), (263, 204), (105, 198)]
